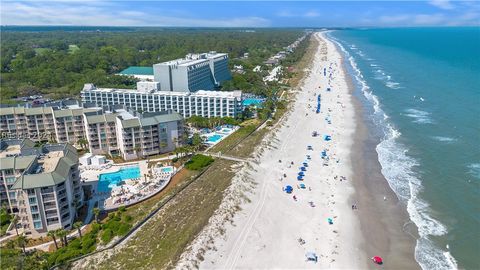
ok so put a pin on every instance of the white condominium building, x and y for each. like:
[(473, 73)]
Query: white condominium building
[(40, 184), (204, 71), (148, 99), (133, 135), (116, 132)]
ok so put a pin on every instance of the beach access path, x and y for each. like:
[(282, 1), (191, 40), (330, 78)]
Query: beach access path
[(265, 233)]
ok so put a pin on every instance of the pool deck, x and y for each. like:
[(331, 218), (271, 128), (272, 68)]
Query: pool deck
[(91, 174)]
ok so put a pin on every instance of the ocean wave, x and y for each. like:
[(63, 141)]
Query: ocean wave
[(393, 85), (420, 117), (373, 65), (474, 170), (444, 139), (398, 169)]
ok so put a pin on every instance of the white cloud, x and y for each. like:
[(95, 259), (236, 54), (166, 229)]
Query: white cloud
[(307, 14), (442, 4), (101, 14), (312, 14)]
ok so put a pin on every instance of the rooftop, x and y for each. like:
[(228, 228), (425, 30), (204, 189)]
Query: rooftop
[(199, 93), (136, 70)]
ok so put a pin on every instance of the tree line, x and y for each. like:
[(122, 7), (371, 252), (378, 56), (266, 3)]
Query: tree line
[(44, 63)]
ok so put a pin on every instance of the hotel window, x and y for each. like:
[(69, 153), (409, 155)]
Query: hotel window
[(37, 225)]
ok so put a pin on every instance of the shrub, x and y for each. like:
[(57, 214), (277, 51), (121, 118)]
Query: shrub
[(107, 236), (198, 162), (123, 229)]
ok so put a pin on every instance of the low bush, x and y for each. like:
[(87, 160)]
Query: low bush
[(198, 162)]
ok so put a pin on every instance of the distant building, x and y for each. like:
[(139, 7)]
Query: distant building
[(204, 71), (201, 103), (141, 73), (40, 184)]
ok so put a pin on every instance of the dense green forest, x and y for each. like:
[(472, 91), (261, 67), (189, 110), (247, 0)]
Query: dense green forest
[(58, 63)]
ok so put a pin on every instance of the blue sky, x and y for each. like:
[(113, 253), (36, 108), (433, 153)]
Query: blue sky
[(241, 14)]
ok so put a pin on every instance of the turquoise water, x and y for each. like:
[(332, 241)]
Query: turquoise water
[(421, 89), (167, 169), (107, 181), (252, 101), (214, 138)]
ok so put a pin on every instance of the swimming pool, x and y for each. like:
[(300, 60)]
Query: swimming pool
[(214, 138), (252, 101), (107, 181), (167, 169)]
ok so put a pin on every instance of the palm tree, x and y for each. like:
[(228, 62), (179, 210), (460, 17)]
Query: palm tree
[(78, 225), (22, 241), (96, 211), (62, 234), (83, 143), (52, 234), (15, 221), (76, 204)]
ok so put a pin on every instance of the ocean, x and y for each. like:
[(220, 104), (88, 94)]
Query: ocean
[(420, 88)]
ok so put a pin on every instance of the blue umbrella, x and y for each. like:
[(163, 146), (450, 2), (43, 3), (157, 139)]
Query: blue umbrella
[(303, 168), (288, 189), (301, 173), (302, 185), (330, 221), (300, 178)]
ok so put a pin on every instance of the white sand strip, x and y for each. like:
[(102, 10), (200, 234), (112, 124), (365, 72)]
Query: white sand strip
[(265, 232)]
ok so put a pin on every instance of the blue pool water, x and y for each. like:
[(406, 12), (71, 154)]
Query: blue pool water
[(167, 169), (108, 181), (252, 101), (214, 138)]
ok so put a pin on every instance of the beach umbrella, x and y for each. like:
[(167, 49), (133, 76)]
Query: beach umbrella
[(311, 256), (300, 178), (302, 185), (301, 173), (377, 260), (288, 189), (305, 164), (330, 221), (303, 168)]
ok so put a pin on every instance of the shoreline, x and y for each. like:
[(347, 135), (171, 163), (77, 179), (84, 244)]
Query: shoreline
[(388, 218), (265, 232)]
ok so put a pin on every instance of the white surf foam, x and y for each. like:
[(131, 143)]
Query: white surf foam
[(419, 116), (474, 170), (398, 169), (444, 139), (392, 85)]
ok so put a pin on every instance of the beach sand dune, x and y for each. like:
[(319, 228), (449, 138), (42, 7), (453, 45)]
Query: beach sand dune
[(274, 229)]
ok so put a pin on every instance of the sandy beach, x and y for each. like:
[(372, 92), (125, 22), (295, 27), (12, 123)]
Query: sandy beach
[(273, 229)]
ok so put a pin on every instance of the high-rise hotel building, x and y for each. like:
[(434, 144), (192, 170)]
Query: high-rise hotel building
[(183, 85)]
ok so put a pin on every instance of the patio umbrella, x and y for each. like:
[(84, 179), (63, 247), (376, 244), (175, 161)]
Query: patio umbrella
[(311, 256), (377, 260)]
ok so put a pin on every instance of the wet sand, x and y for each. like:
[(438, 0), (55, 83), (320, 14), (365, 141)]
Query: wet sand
[(385, 225)]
